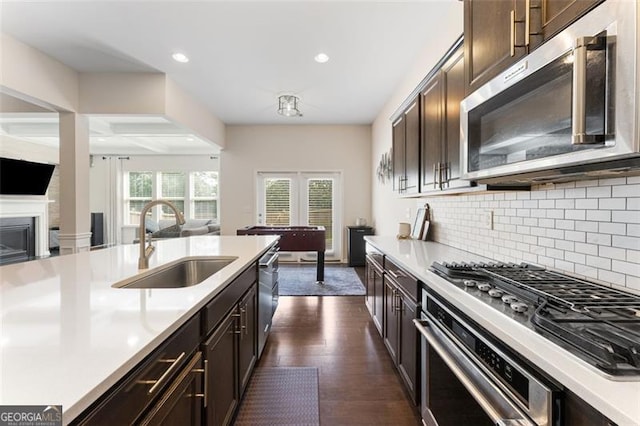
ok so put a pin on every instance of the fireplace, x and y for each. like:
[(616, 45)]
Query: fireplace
[(17, 211), (17, 239)]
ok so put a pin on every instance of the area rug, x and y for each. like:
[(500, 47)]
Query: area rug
[(300, 280), (281, 396)]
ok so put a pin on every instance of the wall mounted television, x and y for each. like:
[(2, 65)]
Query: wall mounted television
[(20, 177)]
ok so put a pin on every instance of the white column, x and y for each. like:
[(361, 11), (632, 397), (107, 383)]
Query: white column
[(75, 212)]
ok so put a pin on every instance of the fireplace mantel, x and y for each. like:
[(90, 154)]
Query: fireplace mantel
[(30, 206)]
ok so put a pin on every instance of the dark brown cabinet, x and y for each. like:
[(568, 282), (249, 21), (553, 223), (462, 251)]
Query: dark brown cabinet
[(221, 364), (248, 337), (182, 403), (231, 352), (498, 33), (400, 335), (441, 167), (166, 384), (374, 286), (494, 33), (406, 150), (548, 17)]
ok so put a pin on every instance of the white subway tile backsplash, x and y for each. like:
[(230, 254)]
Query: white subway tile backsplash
[(626, 191), (586, 226), (613, 203), (591, 249), (612, 181), (599, 215), (612, 253), (626, 268), (587, 204), (625, 216), (632, 243), (633, 204), (575, 193), (589, 228), (612, 228), (599, 192), (578, 236)]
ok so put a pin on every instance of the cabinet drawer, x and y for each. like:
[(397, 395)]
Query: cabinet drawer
[(402, 278), (374, 255), (129, 398), (218, 308)]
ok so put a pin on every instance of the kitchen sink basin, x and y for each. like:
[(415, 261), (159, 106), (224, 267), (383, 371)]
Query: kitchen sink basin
[(186, 272)]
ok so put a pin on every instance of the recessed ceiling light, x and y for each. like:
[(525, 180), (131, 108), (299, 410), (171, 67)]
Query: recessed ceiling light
[(101, 139), (321, 58), (189, 139), (180, 57)]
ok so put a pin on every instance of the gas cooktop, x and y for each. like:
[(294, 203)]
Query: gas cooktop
[(599, 324)]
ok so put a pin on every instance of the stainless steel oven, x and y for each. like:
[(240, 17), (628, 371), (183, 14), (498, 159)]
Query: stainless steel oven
[(267, 294), (570, 103), (470, 378)]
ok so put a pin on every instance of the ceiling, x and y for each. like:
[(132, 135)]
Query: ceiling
[(243, 54)]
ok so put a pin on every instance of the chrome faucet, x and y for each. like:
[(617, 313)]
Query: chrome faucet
[(146, 252)]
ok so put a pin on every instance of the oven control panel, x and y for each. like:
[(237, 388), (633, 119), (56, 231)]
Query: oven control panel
[(484, 351)]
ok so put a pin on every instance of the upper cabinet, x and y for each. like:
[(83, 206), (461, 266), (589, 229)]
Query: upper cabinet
[(426, 134), (500, 32), (441, 126), (494, 38), (406, 150), (550, 16)]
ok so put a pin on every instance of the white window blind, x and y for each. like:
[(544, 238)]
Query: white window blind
[(277, 202)]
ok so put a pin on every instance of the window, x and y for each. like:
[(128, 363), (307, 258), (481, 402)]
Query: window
[(193, 193)]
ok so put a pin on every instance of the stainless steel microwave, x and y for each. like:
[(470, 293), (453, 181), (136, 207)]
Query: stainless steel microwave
[(568, 108)]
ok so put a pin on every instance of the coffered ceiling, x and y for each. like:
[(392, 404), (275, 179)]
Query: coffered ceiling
[(243, 54)]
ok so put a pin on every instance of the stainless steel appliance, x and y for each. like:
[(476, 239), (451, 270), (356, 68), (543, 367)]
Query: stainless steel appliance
[(267, 294), (468, 377), (568, 109), (598, 324)]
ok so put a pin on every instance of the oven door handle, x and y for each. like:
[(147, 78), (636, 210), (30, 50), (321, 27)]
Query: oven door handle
[(458, 362)]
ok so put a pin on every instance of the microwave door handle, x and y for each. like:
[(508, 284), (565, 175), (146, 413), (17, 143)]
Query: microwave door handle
[(579, 99), (424, 327)]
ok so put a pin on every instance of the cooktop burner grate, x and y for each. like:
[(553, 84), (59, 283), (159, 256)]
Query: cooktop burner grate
[(576, 294)]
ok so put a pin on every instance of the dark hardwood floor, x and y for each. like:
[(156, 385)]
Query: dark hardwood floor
[(358, 382)]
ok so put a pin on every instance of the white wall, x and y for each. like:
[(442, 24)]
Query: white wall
[(293, 148), (388, 208)]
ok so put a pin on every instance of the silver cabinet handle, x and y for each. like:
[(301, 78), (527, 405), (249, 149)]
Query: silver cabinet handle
[(156, 383), (512, 26), (205, 375), (393, 274), (456, 360)]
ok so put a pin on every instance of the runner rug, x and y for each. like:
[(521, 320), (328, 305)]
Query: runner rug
[(281, 396)]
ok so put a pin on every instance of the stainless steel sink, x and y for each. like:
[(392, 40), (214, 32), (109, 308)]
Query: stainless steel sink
[(185, 272)]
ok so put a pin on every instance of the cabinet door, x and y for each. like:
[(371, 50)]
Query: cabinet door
[(454, 94), (247, 342), (409, 345), (554, 15), (412, 148), (378, 291), (432, 116), (182, 403), (493, 41), (390, 323), (221, 382), (398, 145), (369, 278)]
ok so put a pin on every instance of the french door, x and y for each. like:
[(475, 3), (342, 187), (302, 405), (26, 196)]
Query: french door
[(302, 199)]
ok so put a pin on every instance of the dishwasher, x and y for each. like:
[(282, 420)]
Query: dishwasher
[(267, 294)]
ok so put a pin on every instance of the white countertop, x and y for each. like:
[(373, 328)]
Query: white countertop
[(618, 400), (66, 336)]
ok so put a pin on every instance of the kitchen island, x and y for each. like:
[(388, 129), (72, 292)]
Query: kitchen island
[(619, 400), (67, 336)]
